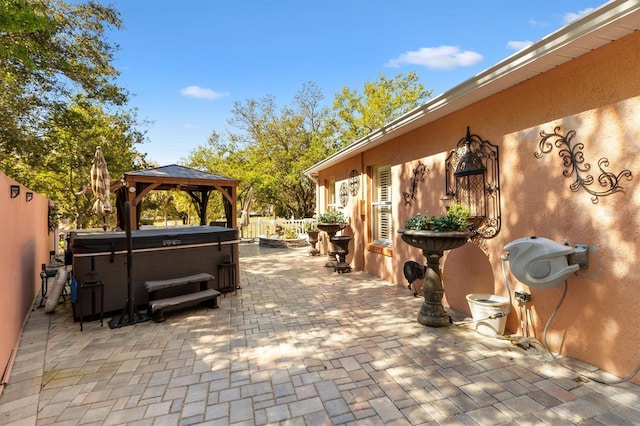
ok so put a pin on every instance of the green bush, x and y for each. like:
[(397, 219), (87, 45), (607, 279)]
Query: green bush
[(290, 234)]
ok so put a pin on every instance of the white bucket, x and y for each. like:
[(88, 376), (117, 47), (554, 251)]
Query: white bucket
[(483, 306)]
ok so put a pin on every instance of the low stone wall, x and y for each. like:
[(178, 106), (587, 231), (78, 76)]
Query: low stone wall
[(282, 242)]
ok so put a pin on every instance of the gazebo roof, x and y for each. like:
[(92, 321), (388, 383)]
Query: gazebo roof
[(135, 185), (172, 176)]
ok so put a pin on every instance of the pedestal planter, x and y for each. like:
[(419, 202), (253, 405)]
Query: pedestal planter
[(313, 240), (433, 245), (342, 250), (331, 229)]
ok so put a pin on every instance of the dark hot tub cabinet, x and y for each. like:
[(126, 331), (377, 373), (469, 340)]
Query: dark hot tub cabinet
[(156, 254)]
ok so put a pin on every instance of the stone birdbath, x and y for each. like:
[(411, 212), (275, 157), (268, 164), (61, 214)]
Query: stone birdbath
[(433, 245)]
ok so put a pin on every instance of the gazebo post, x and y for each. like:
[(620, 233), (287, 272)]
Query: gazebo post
[(203, 207), (234, 218), (133, 217)]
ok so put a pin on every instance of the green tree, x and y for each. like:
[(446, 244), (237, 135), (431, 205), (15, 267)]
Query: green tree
[(160, 205), (358, 114), (277, 145), (63, 170), (50, 51), (222, 159), (274, 146), (58, 100)]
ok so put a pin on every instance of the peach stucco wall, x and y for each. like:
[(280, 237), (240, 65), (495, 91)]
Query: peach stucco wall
[(26, 243), (596, 95)]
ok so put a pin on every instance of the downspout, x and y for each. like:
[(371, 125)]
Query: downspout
[(362, 206)]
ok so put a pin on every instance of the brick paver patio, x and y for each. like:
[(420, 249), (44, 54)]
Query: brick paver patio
[(298, 345)]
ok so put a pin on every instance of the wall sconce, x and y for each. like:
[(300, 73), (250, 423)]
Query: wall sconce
[(15, 191), (473, 179), (29, 196)]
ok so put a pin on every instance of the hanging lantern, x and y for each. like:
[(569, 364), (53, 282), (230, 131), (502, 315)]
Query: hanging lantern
[(473, 180)]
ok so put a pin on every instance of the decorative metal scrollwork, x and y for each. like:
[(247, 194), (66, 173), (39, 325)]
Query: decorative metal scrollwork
[(344, 194), (354, 182), (573, 159), (417, 176), (482, 194)]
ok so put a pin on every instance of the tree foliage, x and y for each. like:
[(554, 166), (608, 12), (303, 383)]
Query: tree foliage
[(63, 170), (358, 114), (50, 52), (220, 158), (275, 146), (58, 100), (284, 143)]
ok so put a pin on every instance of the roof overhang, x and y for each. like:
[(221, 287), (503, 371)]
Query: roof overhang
[(608, 23)]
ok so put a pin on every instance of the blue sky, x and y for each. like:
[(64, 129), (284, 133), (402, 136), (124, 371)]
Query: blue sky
[(187, 62)]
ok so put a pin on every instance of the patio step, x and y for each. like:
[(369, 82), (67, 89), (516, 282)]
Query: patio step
[(158, 306)]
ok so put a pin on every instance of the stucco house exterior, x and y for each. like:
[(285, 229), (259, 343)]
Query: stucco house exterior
[(565, 116)]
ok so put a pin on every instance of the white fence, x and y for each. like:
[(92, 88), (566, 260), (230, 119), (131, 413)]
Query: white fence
[(267, 227)]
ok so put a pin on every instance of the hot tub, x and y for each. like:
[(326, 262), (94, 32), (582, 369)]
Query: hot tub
[(155, 254)]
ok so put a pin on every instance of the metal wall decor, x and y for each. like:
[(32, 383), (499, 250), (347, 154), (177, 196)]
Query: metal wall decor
[(344, 194), (473, 178), (354, 182), (573, 159), (417, 176)]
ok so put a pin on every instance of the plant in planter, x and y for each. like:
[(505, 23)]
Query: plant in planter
[(290, 234), (331, 216), (310, 227), (331, 222), (455, 220)]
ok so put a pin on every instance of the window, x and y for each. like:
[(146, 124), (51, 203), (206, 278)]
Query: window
[(331, 195), (381, 206)]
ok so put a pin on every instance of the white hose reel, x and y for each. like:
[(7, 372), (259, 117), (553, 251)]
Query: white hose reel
[(542, 263)]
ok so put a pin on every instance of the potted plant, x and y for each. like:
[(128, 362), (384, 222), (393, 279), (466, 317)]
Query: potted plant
[(312, 233), (438, 233), (331, 222), (331, 216), (456, 219)]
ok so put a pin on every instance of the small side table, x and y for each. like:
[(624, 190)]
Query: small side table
[(227, 278), (45, 273), (92, 286)]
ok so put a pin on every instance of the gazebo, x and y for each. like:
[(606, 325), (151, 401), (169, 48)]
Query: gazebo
[(133, 186)]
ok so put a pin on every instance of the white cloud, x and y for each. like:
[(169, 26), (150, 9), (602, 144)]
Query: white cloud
[(518, 45), (441, 57), (201, 93), (535, 23), (572, 16)]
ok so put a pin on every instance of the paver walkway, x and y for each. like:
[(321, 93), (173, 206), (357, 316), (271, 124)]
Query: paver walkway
[(298, 345)]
